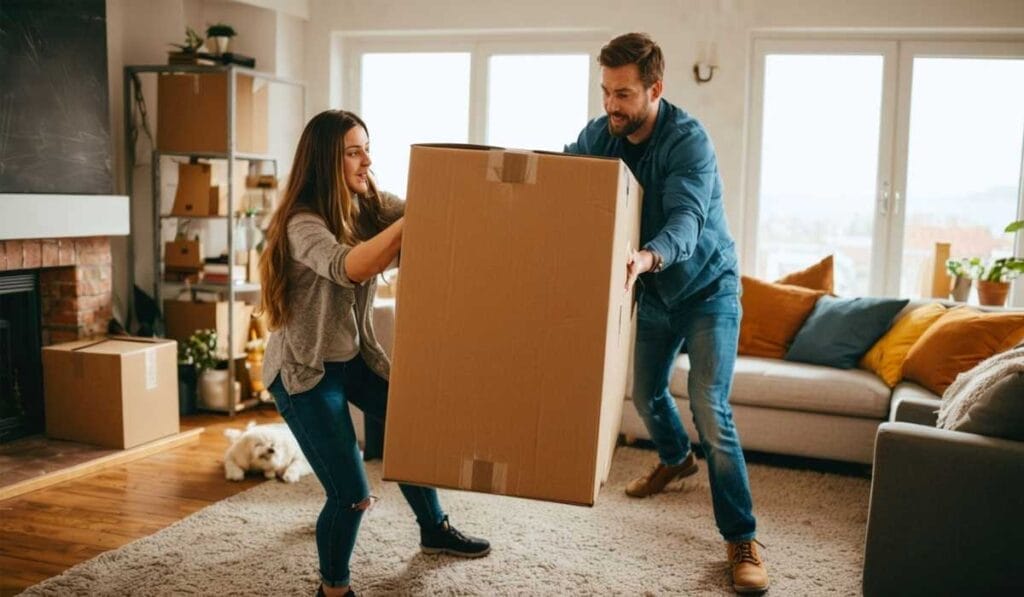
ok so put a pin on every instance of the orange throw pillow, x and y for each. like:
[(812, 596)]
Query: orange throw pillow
[(772, 315), (958, 341), (819, 276)]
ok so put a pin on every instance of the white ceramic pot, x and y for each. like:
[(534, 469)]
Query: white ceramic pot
[(220, 44), (213, 389)]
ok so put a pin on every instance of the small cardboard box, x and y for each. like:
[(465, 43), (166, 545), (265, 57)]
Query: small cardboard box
[(196, 195), (513, 329), (192, 113), (118, 392), (182, 255), (183, 318)]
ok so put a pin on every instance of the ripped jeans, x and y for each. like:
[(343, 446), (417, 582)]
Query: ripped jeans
[(321, 422)]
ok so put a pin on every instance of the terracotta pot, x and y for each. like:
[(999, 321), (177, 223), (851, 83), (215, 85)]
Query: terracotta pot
[(993, 293)]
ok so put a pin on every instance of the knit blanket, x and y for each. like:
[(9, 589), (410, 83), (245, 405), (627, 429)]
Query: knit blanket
[(969, 387)]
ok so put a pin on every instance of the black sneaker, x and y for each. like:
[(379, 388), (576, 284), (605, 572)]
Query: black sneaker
[(444, 538)]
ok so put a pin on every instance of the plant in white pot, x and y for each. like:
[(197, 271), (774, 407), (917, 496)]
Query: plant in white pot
[(963, 272), (213, 372), (221, 34)]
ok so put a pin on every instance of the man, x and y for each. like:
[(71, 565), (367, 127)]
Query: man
[(688, 290)]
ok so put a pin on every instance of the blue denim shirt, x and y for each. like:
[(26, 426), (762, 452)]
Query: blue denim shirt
[(683, 217)]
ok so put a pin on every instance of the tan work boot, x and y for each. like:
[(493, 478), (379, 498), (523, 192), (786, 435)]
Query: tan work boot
[(661, 475), (749, 574)]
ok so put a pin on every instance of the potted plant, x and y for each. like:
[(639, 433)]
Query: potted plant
[(192, 42), (995, 278), (962, 271), (195, 356), (220, 33)]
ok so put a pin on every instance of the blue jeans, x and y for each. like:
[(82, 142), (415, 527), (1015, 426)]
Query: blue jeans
[(321, 422), (709, 323)]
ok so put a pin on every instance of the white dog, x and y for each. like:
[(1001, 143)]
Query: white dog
[(270, 449)]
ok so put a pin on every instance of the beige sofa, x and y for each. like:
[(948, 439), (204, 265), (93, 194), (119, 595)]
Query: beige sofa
[(798, 409)]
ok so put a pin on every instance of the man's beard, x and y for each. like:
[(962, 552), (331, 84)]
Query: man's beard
[(631, 126)]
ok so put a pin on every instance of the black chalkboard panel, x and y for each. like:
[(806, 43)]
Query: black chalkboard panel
[(54, 115)]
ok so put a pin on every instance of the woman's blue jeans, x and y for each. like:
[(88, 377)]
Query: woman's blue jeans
[(709, 323), (321, 422)]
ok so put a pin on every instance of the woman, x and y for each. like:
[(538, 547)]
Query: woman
[(329, 238)]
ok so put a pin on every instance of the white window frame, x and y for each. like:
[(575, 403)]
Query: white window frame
[(480, 47), (899, 52)]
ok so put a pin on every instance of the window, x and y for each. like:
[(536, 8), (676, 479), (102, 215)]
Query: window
[(523, 95), (875, 150)]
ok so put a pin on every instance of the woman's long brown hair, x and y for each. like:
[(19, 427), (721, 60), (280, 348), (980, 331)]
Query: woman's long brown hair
[(316, 185)]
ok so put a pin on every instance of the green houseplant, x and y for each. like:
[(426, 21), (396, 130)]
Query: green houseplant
[(194, 357), (221, 34), (995, 277)]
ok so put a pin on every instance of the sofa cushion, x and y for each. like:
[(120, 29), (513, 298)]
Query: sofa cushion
[(840, 330), (816, 277), (772, 314), (958, 341), (999, 412), (913, 404), (886, 357), (774, 383)]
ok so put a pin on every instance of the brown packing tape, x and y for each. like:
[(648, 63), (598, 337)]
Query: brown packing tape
[(484, 476), (517, 167)]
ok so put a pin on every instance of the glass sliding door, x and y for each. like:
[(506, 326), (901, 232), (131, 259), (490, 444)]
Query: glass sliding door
[(961, 136)]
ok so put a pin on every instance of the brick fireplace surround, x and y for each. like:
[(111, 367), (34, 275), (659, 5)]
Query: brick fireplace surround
[(75, 283)]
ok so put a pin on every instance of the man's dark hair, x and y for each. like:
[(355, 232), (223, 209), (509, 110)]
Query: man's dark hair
[(638, 49)]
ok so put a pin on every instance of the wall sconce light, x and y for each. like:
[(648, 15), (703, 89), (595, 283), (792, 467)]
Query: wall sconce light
[(707, 62)]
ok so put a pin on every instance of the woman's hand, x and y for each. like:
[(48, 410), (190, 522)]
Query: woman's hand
[(371, 257)]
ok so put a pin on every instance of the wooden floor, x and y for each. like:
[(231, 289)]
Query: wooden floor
[(45, 532)]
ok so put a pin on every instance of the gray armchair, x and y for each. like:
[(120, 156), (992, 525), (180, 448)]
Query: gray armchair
[(946, 515)]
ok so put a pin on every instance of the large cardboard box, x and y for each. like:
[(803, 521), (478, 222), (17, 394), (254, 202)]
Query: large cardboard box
[(115, 392), (513, 329), (192, 113), (183, 318)]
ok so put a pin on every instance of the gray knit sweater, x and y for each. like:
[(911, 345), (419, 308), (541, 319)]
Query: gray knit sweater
[(321, 298)]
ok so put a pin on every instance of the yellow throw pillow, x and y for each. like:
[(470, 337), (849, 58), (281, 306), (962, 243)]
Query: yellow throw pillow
[(819, 276), (886, 357), (958, 341), (772, 315)]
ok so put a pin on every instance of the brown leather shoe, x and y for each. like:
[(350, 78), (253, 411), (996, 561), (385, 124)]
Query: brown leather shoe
[(661, 475), (749, 574)]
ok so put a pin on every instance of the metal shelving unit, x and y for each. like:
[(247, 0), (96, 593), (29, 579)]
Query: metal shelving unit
[(130, 90)]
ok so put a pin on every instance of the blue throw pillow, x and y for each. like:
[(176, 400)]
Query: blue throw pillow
[(840, 330)]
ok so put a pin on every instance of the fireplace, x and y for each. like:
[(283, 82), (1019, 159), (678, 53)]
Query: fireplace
[(51, 291), (21, 387)]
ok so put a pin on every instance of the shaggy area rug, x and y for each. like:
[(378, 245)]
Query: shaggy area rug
[(261, 542)]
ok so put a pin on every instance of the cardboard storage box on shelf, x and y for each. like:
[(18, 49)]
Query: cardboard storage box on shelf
[(118, 392), (192, 113), (183, 318), (203, 190), (183, 254), (513, 330)]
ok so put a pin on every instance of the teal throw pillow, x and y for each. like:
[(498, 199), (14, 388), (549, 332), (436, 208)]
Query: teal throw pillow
[(840, 330)]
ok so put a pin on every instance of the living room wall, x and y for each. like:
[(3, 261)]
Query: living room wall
[(678, 25)]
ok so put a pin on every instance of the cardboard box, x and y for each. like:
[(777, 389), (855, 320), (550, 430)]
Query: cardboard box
[(115, 392), (196, 195), (192, 113), (513, 330), (182, 255), (203, 189), (183, 318)]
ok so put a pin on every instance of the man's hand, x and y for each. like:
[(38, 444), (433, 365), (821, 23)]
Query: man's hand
[(637, 263)]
